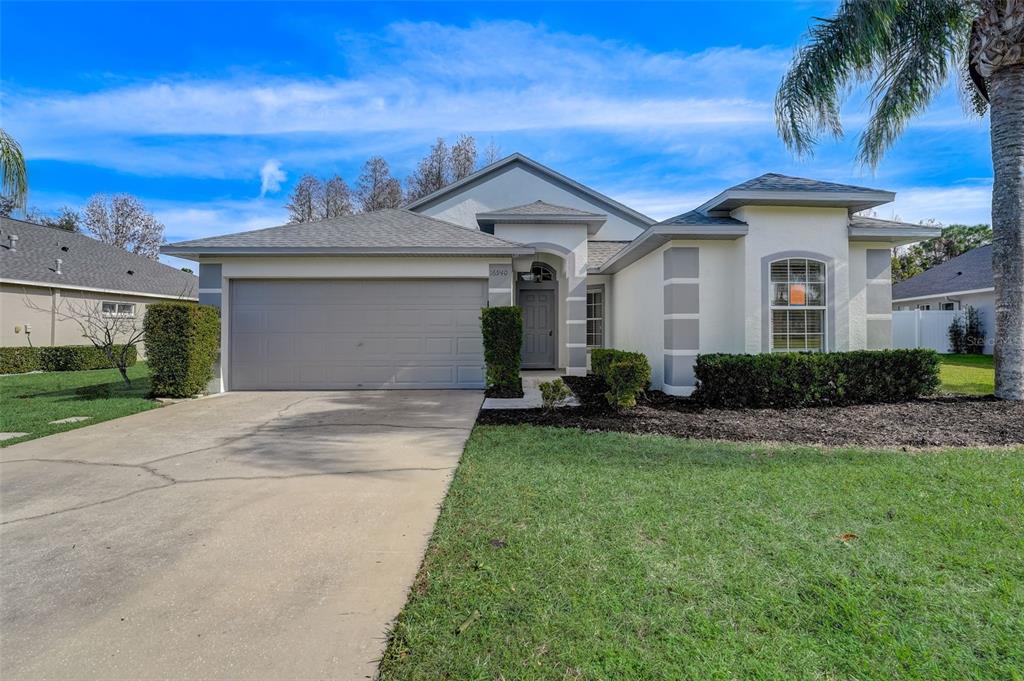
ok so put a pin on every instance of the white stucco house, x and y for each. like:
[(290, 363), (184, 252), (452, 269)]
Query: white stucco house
[(391, 299)]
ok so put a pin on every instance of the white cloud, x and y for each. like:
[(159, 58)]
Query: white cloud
[(271, 177), (949, 205)]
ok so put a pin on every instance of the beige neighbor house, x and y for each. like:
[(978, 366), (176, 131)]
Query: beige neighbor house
[(49, 277), (392, 299)]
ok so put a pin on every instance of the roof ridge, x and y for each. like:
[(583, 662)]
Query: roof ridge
[(452, 224)]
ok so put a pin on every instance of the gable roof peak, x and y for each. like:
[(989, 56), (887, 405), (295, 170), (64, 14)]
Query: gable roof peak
[(518, 158)]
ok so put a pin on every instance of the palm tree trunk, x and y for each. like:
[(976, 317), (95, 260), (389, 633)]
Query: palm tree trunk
[(1006, 99)]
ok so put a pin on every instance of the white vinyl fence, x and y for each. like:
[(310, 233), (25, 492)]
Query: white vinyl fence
[(922, 329)]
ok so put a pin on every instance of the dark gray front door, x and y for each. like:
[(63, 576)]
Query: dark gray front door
[(538, 329)]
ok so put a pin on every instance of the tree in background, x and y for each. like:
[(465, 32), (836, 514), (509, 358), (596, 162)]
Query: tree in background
[(377, 189), (13, 174), (908, 50), (124, 222), (463, 157), (433, 172), (67, 219), (316, 199), (442, 166), (337, 198), (955, 240), (492, 153), (306, 197)]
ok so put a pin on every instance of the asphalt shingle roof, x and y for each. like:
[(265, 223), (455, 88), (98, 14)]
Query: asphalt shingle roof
[(694, 217), (967, 272), (598, 252), (391, 229), (86, 262), (861, 221), (788, 183), (544, 208)]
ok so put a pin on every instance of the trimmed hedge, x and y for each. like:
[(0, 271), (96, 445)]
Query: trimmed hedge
[(59, 358), (627, 374), (182, 344), (815, 379), (503, 338)]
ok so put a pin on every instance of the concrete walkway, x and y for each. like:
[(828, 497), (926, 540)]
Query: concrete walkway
[(246, 536)]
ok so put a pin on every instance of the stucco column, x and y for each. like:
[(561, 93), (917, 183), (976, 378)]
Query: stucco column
[(681, 318), (211, 293), (499, 284), (576, 315), (878, 279)]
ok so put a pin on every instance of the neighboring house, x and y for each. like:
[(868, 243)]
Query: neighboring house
[(964, 281), (391, 299), (48, 276)]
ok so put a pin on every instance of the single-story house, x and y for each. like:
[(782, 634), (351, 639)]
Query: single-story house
[(49, 277), (961, 282), (391, 299)]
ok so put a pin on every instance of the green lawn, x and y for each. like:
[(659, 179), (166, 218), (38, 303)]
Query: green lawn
[(565, 555), (967, 374), (29, 402)]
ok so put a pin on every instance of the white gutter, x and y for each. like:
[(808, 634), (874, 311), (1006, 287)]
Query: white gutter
[(91, 289), (946, 294)]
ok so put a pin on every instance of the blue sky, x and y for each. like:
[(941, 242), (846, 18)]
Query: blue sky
[(659, 105)]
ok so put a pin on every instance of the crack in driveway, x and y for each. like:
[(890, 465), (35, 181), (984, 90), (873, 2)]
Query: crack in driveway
[(227, 478)]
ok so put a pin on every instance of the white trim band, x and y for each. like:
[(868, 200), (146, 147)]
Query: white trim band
[(211, 290), (682, 353), (575, 345), (678, 390), (681, 280), (576, 299), (879, 315), (499, 290), (880, 280), (683, 315), (575, 321)]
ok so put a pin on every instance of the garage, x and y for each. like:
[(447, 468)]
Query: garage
[(311, 334)]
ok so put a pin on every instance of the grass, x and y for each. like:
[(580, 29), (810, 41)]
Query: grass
[(967, 374), (561, 554), (31, 401)]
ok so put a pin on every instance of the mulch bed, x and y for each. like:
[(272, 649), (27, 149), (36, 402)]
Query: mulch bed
[(504, 393), (947, 421)]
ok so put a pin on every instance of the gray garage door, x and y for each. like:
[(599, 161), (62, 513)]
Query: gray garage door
[(324, 334)]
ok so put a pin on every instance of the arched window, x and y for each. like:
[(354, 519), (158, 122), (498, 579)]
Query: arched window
[(540, 272), (798, 305)]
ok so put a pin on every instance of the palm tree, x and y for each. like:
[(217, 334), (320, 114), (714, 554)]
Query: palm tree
[(908, 50), (13, 178)]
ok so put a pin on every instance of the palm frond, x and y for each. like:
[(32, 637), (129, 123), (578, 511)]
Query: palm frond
[(923, 45), (839, 51), (13, 175)]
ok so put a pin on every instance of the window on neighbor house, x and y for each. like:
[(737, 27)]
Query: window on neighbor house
[(924, 307), (946, 306), (110, 309), (595, 317), (797, 305)]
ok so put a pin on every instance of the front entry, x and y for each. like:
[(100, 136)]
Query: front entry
[(539, 313)]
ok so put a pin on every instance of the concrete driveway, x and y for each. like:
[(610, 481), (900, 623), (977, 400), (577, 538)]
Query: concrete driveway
[(245, 536)]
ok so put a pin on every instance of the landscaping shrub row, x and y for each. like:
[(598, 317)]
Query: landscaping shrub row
[(627, 374), (815, 379), (182, 344), (502, 329), (59, 358)]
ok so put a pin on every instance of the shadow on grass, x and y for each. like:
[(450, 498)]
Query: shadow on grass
[(140, 388)]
